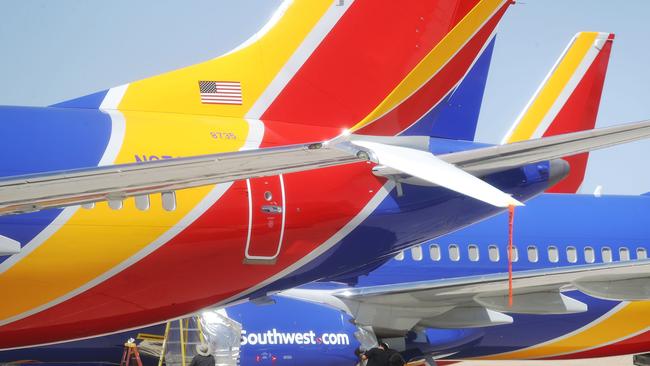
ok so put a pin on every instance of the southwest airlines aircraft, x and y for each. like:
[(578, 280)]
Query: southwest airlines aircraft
[(544, 324), (310, 152), (445, 299)]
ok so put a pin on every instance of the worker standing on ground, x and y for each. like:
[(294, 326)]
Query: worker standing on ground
[(376, 356), (203, 356), (394, 357)]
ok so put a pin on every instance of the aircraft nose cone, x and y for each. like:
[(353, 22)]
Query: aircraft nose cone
[(559, 169)]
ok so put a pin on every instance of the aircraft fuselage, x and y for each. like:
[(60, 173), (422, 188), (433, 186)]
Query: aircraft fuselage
[(87, 271)]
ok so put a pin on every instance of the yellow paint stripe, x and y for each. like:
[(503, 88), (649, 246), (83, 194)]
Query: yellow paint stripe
[(94, 241), (435, 59), (254, 66), (556, 83), (629, 320)]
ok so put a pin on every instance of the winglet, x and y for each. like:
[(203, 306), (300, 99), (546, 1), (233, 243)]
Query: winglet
[(568, 100)]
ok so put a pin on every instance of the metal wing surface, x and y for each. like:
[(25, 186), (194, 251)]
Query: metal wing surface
[(478, 301), (28, 193)]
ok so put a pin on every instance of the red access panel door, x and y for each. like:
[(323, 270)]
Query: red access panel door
[(266, 217)]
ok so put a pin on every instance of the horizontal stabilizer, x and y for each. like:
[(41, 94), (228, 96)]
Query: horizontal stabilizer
[(502, 157), (114, 183), (426, 166)]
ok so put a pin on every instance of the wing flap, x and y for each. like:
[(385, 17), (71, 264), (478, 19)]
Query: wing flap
[(479, 300), (626, 287), (537, 302), (466, 317), (535, 292)]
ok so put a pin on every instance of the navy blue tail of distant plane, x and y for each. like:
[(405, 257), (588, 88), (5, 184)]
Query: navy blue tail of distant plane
[(456, 116)]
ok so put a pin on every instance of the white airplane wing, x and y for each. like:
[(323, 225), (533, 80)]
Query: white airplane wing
[(456, 171), (479, 301)]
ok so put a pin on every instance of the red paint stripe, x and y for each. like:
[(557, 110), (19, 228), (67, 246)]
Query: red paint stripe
[(370, 50), (632, 345), (579, 113), (418, 104), (222, 98), (204, 264)]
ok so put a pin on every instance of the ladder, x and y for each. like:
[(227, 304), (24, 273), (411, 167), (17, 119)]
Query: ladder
[(181, 338), (222, 334), (130, 352)]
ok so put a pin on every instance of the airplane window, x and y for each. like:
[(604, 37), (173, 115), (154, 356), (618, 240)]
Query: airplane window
[(641, 253), (590, 256), (607, 254), (515, 253), (553, 254), (416, 253), (571, 254), (493, 251), (624, 254), (532, 254), (400, 256), (434, 252), (454, 252), (472, 252)]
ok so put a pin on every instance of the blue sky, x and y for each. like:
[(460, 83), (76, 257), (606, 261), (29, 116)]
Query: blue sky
[(56, 50), (531, 37)]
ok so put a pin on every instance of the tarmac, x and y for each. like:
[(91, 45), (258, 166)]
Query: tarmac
[(608, 361)]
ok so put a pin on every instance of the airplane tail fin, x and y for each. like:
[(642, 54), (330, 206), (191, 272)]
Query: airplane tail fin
[(568, 100), (463, 103), (372, 66)]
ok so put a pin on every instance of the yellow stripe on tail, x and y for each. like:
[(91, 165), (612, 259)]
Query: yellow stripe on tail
[(556, 88)]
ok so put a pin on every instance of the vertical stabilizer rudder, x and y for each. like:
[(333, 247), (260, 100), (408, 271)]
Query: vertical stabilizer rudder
[(372, 66)]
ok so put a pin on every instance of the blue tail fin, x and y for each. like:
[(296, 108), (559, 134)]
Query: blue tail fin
[(456, 116)]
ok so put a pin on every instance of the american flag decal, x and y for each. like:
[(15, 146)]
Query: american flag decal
[(220, 92)]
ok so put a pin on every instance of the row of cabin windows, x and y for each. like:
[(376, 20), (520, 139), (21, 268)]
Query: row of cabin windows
[(435, 253)]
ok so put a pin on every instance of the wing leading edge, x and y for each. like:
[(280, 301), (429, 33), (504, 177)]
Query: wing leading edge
[(479, 301)]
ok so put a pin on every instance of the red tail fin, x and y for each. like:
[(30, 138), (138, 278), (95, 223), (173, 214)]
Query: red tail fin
[(568, 100)]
